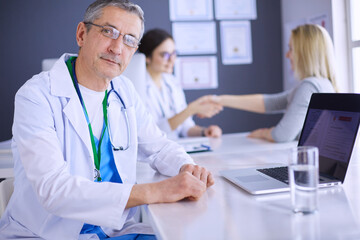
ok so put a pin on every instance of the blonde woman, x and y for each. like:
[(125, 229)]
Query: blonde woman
[(311, 55)]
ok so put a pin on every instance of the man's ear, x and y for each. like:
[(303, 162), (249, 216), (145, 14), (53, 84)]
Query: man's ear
[(80, 34)]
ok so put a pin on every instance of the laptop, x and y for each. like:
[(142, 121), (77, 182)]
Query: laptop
[(331, 124)]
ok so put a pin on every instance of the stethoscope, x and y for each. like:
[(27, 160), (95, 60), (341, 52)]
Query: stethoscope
[(123, 110), (172, 102)]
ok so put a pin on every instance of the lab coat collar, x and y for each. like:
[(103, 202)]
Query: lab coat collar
[(60, 79)]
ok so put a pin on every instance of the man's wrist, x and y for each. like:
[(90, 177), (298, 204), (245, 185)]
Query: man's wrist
[(142, 194)]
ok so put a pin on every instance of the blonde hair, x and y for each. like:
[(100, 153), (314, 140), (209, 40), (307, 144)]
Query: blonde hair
[(313, 53)]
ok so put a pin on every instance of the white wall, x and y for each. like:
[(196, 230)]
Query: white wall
[(296, 12)]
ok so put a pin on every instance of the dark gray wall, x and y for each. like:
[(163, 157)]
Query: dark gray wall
[(37, 29)]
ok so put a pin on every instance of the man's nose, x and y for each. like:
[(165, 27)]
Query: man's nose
[(117, 45)]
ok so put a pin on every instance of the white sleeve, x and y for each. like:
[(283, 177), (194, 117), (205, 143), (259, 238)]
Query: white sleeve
[(155, 148), (161, 121), (180, 105)]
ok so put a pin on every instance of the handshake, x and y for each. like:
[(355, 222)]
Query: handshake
[(206, 106)]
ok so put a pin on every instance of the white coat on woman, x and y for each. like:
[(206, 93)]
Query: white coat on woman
[(166, 103), (55, 192)]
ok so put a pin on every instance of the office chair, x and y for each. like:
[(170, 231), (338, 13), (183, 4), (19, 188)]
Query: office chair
[(6, 190)]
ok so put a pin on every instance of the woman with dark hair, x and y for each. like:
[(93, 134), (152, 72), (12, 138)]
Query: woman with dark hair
[(164, 96)]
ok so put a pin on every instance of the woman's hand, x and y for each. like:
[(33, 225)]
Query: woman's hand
[(213, 131), (262, 133), (205, 107)]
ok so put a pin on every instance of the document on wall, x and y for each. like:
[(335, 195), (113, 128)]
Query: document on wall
[(190, 10), (197, 72), (235, 9), (195, 37), (236, 47)]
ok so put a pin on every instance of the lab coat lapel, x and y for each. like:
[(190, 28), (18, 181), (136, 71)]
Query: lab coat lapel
[(62, 86), (74, 112)]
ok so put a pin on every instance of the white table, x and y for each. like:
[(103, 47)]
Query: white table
[(227, 212)]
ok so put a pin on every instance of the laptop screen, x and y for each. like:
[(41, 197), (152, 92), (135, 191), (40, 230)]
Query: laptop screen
[(334, 133)]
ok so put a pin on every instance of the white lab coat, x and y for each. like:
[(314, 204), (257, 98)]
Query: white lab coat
[(54, 192), (166, 103)]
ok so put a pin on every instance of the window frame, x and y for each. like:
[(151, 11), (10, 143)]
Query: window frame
[(351, 46)]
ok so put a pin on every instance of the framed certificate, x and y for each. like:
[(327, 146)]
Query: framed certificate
[(197, 72), (235, 9), (195, 37), (190, 10), (236, 47)]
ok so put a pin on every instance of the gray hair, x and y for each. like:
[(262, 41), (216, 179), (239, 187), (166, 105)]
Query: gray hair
[(94, 11)]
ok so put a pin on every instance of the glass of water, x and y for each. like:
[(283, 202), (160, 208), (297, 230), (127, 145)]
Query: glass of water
[(304, 179)]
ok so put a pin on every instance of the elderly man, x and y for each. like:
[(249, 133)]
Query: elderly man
[(77, 134)]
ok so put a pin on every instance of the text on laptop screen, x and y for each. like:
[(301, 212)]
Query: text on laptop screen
[(334, 133)]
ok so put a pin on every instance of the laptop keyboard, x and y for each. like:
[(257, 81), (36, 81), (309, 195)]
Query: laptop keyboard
[(279, 173)]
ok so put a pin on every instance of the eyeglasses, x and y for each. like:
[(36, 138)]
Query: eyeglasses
[(166, 55), (113, 33)]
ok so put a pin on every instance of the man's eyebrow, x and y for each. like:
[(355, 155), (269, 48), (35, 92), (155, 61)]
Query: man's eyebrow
[(110, 25)]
